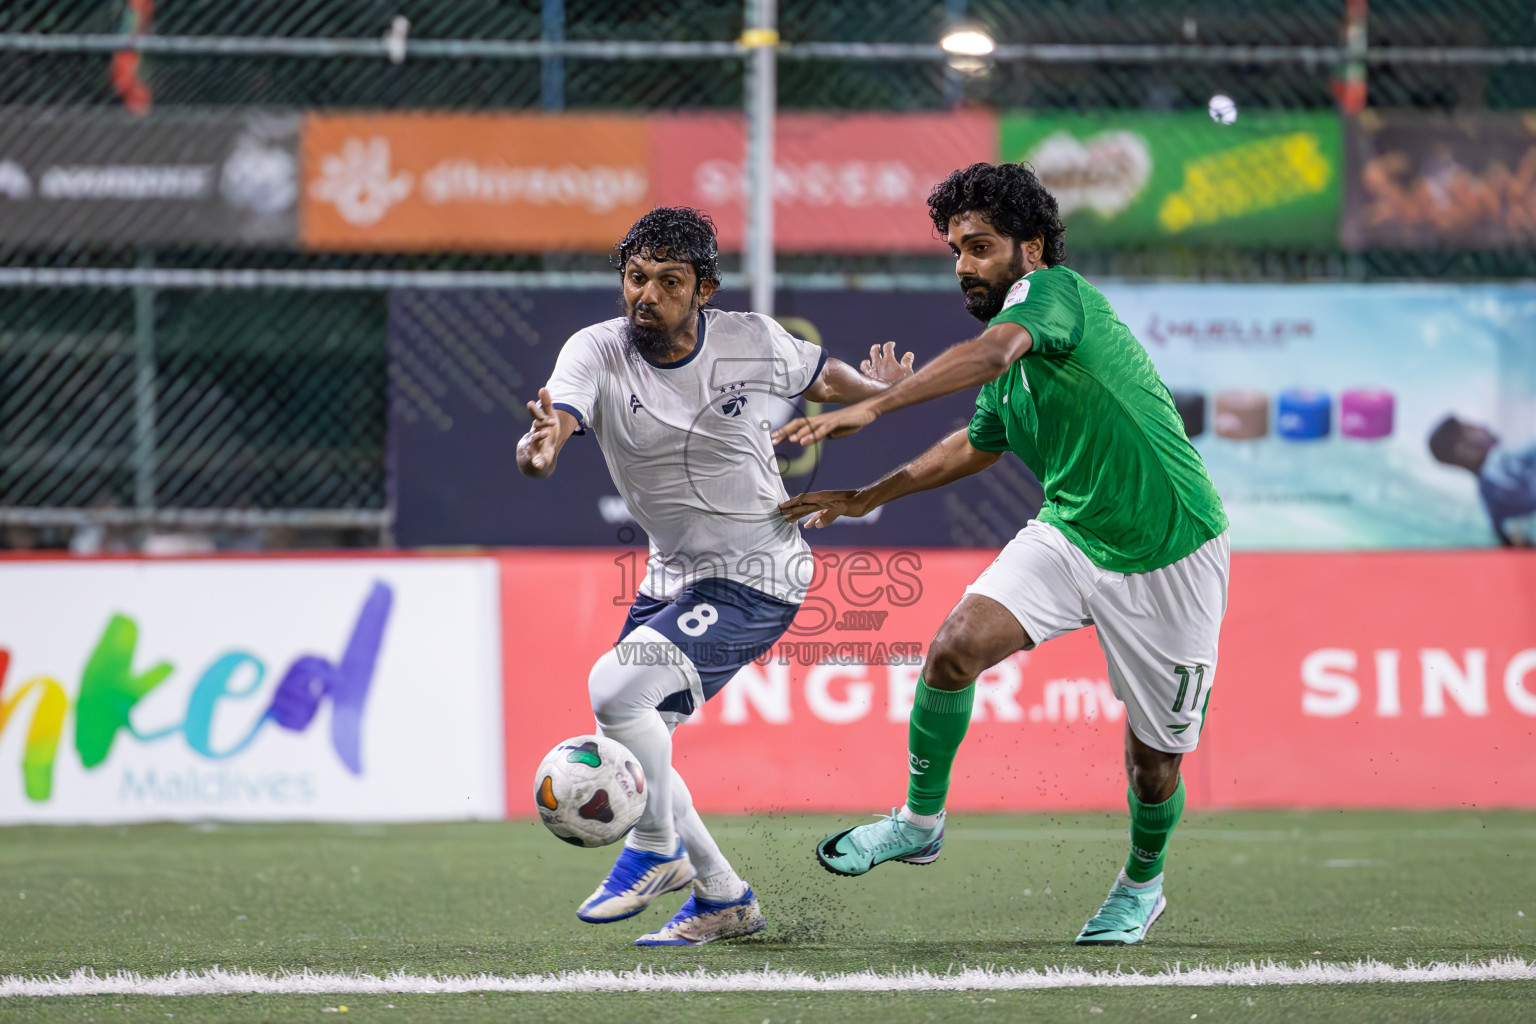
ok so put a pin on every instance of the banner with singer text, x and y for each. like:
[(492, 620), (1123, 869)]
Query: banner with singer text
[(851, 183), (1338, 685)]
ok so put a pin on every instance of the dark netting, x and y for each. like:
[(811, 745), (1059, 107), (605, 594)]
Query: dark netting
[(273, 400)]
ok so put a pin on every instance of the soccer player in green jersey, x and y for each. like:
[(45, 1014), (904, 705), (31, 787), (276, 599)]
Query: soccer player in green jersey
[(1132, 537)]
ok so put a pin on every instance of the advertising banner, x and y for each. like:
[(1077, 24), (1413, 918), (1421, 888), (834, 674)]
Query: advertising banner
[(1420, 180), (178, 179), (1129, 177), (462, 365), (1329, 415), (423, 182), (345, 689), (1339, 685), (841, 182)]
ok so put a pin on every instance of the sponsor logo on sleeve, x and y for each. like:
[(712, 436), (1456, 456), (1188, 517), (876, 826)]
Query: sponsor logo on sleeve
[(1018, 293)]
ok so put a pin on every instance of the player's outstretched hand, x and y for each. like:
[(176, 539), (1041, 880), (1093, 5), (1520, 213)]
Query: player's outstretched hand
[(538, 445), (807, 430), (882, 364), (822, 506)]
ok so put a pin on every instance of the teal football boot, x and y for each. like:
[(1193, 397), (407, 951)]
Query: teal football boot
[(855, 850), (1127, 914)]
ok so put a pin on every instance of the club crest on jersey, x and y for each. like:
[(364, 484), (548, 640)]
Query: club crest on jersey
[(736, 401), (1018, 293)]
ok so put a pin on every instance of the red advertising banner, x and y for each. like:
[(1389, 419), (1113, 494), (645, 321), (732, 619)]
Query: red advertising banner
[(842, 183), (1354, 680)]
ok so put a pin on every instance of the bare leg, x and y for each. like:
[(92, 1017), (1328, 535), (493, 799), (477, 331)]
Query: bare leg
[(1153, 774), (978, 634)]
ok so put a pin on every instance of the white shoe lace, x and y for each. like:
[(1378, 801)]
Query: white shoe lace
[(889, 837)]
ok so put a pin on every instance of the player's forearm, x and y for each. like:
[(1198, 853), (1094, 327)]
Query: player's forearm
[(842, 384), (951, 459), (966, 365)]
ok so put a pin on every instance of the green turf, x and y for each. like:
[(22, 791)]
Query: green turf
[(1009, 891)]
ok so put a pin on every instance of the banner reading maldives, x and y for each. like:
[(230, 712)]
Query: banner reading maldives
[(1365, 680), (841, 182), (275, 689)]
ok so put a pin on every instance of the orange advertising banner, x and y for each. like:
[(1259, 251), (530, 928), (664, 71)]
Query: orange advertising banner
[(1401, 680), (423, 182)]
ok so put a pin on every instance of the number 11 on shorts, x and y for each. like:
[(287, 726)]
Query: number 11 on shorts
[(1183, 672)]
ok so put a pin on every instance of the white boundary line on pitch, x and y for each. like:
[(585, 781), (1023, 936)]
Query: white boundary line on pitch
[(222, 982)]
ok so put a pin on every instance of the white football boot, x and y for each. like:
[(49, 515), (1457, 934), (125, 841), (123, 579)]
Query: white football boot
[(703, 920), (637, 878)]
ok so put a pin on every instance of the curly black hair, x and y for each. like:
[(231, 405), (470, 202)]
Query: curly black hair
[(1009, 197), (678, 233)]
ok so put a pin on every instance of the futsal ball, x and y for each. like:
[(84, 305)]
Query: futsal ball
[(589, 790), (1223, 110)]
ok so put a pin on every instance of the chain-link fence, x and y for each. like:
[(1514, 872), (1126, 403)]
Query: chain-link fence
[(150, 383), (201, 61)]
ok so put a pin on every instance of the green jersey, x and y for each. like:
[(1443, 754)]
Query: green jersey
[(1086, 411)]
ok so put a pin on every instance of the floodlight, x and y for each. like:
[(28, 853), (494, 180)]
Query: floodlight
[(967, 40)]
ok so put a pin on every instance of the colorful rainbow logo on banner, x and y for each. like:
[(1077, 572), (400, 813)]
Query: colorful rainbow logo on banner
[(109, 689)]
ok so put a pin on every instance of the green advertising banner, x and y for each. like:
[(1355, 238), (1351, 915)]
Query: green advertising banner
[(1133, 176)]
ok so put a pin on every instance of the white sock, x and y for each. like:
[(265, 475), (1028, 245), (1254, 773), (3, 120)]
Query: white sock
[(650, 742), (624, 699), (1131, 883), (721, 888), (701, 846), (717, 880), (920, 820)]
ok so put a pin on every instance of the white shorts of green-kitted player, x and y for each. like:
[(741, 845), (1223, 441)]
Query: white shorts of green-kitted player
[(1158, 629)]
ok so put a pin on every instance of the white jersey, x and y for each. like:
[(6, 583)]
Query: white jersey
[(687, 444)]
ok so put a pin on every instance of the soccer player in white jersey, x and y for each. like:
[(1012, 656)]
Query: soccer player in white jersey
[(682, 399)]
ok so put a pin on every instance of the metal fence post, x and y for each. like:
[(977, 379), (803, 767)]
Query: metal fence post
[(760, 38), (552, 66), (144, 394), (1351, 85), (954, 80)]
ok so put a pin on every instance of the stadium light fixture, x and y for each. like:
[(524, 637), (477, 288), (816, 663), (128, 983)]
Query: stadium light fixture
[(967, 39)]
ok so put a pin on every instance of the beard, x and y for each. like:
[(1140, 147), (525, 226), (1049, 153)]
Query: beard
[(986, 305), (652, 342)]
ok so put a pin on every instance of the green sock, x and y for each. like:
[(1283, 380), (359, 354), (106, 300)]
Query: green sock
[(1151, 825), (939, 721)]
